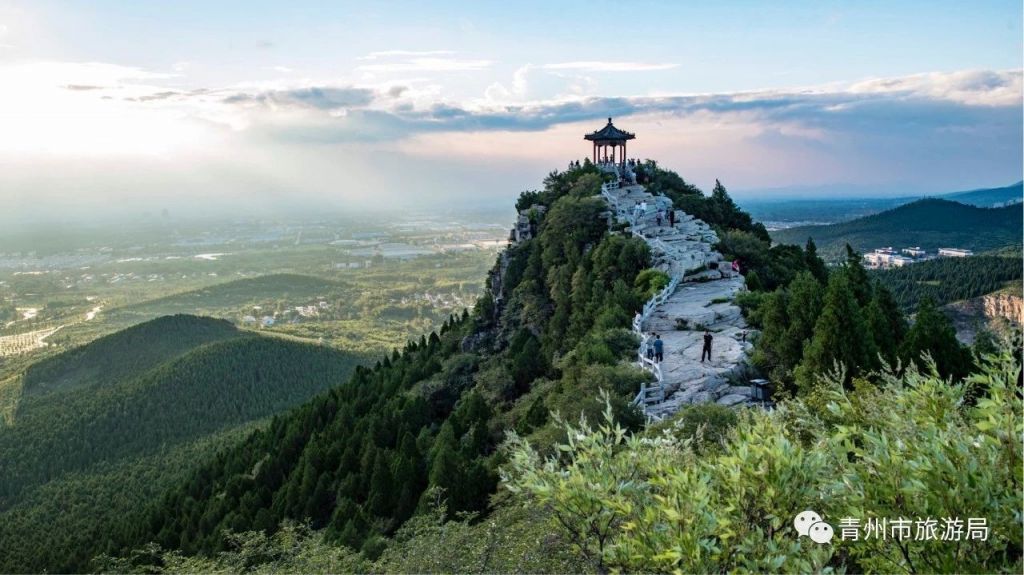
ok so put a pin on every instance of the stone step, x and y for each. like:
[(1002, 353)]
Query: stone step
[(686, 249)]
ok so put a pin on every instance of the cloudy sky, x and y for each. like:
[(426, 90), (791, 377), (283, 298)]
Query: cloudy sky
[(208, 104)]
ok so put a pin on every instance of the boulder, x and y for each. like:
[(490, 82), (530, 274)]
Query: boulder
[(732, 399)]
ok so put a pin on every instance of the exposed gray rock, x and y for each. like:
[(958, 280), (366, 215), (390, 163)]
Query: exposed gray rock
[(736, 390), (687, 251), (733, 399)]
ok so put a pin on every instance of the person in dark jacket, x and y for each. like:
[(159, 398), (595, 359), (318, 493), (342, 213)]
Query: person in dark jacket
[(707, 346), (659, 349)]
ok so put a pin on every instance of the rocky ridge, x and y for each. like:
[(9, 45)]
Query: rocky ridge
[(702, 300)]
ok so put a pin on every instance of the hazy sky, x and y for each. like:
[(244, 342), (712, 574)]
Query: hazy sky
[(202, 105)]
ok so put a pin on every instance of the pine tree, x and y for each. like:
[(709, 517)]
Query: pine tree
[(886, 324), (446, 467), (858, 278), (382, 495), (815, 264), (318, 507), (802, 312), (933, 333), (840, 335), (770, 350), (527, 365), (582, 289), (408, 479)]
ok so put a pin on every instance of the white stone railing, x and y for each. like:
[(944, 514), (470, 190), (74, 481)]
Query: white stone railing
[(643, 361), (620, 211), (643, 315)]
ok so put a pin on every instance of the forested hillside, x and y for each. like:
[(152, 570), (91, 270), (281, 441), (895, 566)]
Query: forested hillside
[(421, 429), (990, 196), (946, 280), (196, 377), (930, 224), (357, 462), (126, 353), (390, 469)]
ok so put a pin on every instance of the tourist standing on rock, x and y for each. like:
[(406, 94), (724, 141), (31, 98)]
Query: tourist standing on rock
[(659, 349), (672, 218), (650, 347), (659, 217), (707, 346)]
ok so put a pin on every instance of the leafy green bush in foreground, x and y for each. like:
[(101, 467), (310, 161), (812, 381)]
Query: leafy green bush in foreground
[(911, 447)]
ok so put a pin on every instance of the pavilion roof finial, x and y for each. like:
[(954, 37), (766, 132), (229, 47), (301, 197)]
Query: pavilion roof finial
[(609, 133)]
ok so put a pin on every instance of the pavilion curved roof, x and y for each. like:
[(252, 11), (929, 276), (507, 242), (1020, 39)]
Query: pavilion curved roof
[(609, 132)]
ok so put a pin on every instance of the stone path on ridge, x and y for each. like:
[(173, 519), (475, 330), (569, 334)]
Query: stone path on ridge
[(702, 300)]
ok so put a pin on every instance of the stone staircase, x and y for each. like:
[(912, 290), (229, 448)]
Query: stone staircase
[(699, 297)]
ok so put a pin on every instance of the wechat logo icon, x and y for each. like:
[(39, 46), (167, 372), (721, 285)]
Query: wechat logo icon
[(810, 524)]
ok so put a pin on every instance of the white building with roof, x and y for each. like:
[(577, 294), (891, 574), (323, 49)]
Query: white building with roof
[(955, 252), (884, 258)]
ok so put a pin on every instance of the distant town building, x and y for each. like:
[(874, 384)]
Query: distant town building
[(955, 252), (883, 258), (267, 321), (915, 252)]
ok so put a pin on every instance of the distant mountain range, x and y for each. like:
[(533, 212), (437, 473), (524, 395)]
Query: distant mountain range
[(789, 212), (988, 198), (929, 223)]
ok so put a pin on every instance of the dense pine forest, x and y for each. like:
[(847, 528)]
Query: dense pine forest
[(810, 325), (145, 392), (506, 441), (947, 280), (427, 420)]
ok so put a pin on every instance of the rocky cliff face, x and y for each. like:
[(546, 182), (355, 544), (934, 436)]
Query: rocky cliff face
[(1004, 305), (997, 312)]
